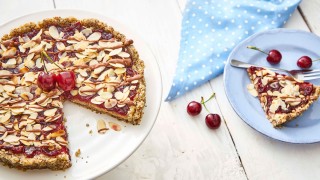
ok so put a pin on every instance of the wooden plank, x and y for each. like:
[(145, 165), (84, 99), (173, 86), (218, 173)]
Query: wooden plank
[(263, 157), (310, 12), (12, 9), (179, 146)]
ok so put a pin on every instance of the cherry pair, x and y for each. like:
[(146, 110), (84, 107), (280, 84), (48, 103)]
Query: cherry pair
[(47, 81), (194, 108), (274, 57)]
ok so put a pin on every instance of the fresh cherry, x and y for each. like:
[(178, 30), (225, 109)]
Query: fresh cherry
[(46, 81), (66, 80), (194, 108), (213, 121), (304, 62), (306, 88), (273, 56)]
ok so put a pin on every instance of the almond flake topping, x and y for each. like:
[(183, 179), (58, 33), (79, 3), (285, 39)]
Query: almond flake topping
[(94, 36), (53, 31), (50, 112), (101, 126)]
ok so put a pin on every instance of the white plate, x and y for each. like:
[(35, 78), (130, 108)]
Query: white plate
[(99, 153), (292, 44)]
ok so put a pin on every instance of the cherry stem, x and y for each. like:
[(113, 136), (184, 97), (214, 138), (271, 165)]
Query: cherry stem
[(49, 58), (203, 102), (257, 49), (316, 60), (44, 64)]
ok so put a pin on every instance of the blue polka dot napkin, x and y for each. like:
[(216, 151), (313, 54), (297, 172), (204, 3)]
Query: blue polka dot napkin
[(210, 29)]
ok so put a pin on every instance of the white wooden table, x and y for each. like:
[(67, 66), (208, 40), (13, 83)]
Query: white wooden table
[(180, 146)]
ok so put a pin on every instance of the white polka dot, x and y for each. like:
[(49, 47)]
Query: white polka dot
[(210, 72), (272, 22), (178, 93), (187, 22), (169, 98), (265, 16), (199, 31), (193, 14), (193, 37), (212, 17), (193, 27), (196, 72), (218, 55), (246, 21), (279, 15), (259, 22), (203, 65), (219, 22), (200, 20), (186, 88), (193, 3), (210, 60), (181, 79), (192, 47), (258, 10), (232, 20), (224, 62), (195, 83), (226, 28), (239, 26), (202, 77), (173, 84), (200, 7), (206, 25), (217, 67), (189, 65)]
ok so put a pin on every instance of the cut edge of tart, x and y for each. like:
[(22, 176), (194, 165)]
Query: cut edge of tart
[(61, 159), (282, 97)]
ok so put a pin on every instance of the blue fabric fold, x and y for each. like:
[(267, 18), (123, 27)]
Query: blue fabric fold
[(210, 30)]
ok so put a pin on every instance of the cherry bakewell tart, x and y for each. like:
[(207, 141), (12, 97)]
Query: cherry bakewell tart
[(109, 78), (282, 97)]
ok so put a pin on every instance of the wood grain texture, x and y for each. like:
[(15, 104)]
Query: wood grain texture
[(310, 12)]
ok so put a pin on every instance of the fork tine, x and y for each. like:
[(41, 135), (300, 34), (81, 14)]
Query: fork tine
[(309, 78), (311, 74)]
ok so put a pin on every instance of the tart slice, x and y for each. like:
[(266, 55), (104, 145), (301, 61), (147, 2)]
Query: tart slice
[(282, 97)]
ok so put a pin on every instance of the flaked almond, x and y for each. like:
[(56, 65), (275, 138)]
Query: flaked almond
[(22, 124), (5, 73), (57, 103), (23, 69), (103, 75), (73, 92), (105, 94), (28, 44), (4, 135), (60, 46), (16, 111), (94, 36), (47, 128), (9, 88), (101, 126), (82, 45), (50, 112), (11, 138), (36, 49), (29, 77), (99, 70), (124, 54), (32, 136), (38, 36), (118, 95), (252, 90), (86, 31), (120, 70), (115, 126), (79, 36), (2, 129), (101, 55), (118, 65), (61, 141), (97, 100), (26, 96), (11, 63), (56, 134), (54, 33), (9, 52), (86, 91), (110, 103), (110, 45), (115, 52)]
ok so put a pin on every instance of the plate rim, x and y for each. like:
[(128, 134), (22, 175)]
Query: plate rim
[(232, 103), (75, 13)]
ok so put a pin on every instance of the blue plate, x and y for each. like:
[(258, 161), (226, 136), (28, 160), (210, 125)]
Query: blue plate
[(292, 44)]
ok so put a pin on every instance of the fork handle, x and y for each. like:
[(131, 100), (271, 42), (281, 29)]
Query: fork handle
[(240, 64)]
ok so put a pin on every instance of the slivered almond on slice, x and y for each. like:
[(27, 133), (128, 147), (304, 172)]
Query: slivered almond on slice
[(97, 100), (86, 31), (110, 103), (252, 90), (5, 118), (101, 126), (11, 139), (53, 31), (9, 88), (99, 70), (73, 92), (5, 73), (118, 95), (124, 54), (94, 36), (50, 112), (115, 126), (10, 52), (60, 46), (4, 135), (115, 52), (118, 65)]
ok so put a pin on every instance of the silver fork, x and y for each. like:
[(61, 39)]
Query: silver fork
[(303, 74)]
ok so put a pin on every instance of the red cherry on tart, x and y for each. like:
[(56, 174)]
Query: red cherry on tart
[(194, 108), (273, 56), (46, 81), (213, 121), (304, 62), (66, 80)]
